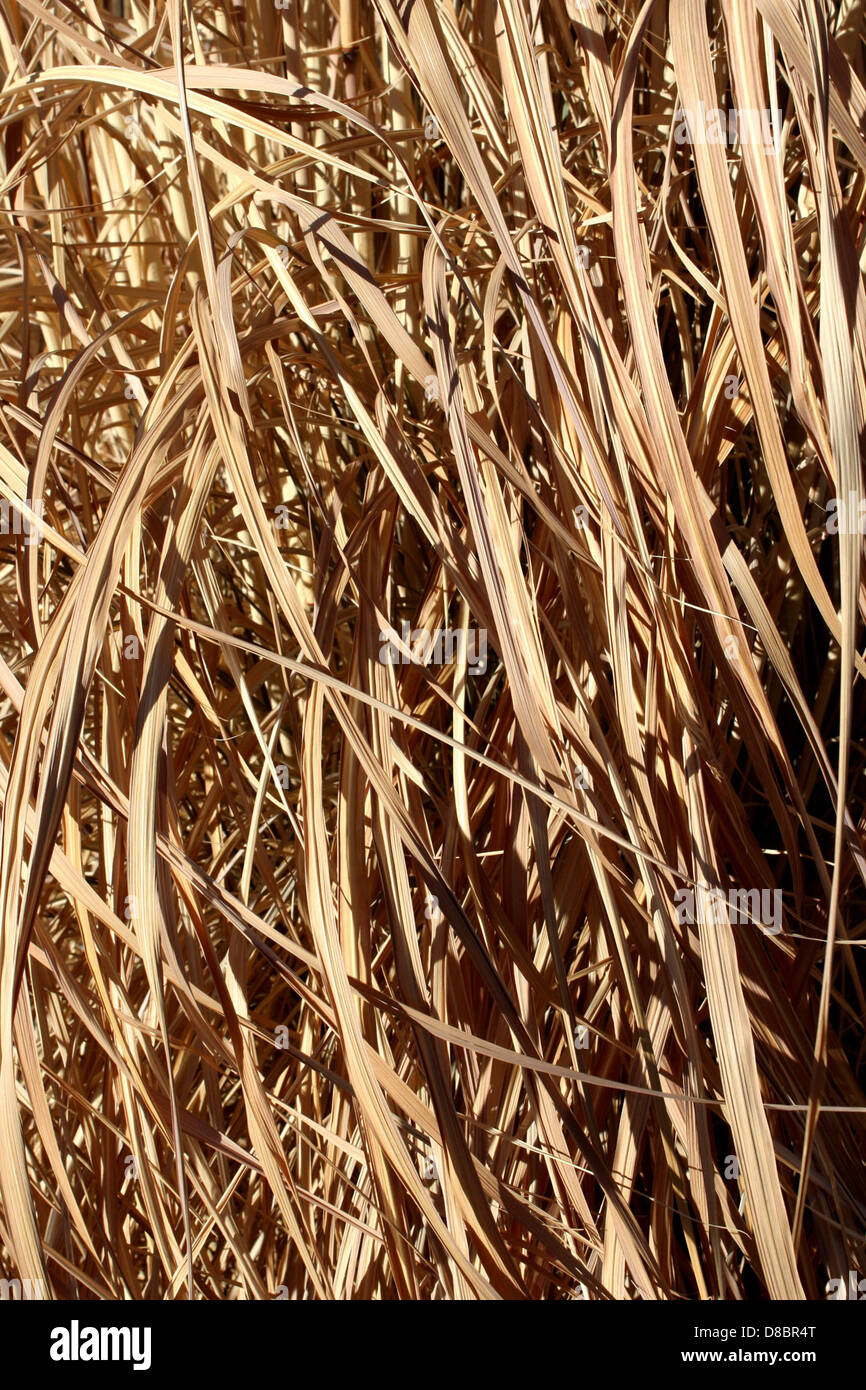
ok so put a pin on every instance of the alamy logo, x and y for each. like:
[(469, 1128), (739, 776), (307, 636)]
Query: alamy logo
[(740, 907), (76, 1343), (714, 126), (438, 647), (856, 1288), (846, 518), (21, 1290), (13, 522)]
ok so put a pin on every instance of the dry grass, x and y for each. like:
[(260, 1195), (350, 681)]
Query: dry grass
[(325, 977)]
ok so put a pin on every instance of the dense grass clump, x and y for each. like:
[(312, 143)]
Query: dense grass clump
[(432, 859)]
